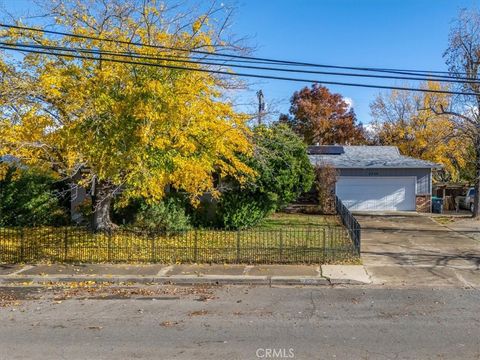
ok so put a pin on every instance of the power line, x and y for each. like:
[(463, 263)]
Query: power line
[(220, 72), (232, 56), (203, 62)]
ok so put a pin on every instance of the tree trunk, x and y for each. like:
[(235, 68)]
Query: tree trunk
[(101, 203)]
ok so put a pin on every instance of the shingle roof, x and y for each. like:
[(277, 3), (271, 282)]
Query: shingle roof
[(362, 157)]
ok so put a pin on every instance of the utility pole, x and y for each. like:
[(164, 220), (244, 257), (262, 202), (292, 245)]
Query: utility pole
[(261, 106)]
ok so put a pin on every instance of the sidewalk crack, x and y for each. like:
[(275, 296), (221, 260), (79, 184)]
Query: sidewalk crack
[(26, 267), (163, 271), (247, 269)]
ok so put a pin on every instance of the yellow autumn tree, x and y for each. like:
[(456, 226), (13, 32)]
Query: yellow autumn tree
[(114, 126), (405, 119)]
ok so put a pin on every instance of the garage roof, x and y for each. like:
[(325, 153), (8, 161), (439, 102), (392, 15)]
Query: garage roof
[(362, 157)]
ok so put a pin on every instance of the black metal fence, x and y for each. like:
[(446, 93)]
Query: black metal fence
[(349, 221), (319, 244)]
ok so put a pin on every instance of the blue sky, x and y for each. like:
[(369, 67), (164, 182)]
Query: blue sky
[(374, 33)]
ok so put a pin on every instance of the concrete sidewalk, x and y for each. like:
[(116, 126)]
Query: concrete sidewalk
[(187, 274)]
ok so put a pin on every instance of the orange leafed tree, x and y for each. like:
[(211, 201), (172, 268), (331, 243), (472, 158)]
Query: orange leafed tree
[(320, 116)]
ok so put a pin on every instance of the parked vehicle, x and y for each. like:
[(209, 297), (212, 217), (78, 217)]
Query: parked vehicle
[(466, 202)]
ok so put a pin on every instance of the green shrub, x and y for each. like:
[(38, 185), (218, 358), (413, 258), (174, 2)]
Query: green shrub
[(27, 198), (283, 167), (167, 215), (283, 173), (238, 211)]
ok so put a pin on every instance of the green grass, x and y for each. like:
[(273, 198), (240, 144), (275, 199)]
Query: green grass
[(284, 221), (282, 238)]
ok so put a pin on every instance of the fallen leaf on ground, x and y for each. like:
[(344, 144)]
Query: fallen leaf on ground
[(169, 323), (8, 300), (95, 327), (198, 313)]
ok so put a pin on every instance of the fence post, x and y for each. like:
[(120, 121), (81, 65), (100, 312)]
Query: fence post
[(358, 238), (153, 259), (195, 246), (22, 245), (334, 242), (281, 246), (238, 246), (109, 245), (324, 244), (65, 245), (308, 244)]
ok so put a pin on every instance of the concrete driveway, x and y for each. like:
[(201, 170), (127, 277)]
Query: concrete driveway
[(410, 249)]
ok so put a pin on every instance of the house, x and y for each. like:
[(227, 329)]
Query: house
[(377, 178)]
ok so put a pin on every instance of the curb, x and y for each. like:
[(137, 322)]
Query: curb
[(348, 282), (7, 280)]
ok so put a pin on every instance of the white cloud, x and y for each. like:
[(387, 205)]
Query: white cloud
[(349, 101), (369, 127), (370, 130)]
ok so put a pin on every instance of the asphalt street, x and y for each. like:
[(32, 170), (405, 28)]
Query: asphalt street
[(239, 322)]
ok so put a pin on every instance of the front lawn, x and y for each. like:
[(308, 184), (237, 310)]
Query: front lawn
[(284, 221), (282, 238)]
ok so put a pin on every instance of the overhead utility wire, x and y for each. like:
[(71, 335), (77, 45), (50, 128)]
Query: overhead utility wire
[(282, 62), (141, 56), (203, 62), (239, 74)]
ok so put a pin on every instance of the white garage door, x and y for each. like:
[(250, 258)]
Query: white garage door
[(377, 193)]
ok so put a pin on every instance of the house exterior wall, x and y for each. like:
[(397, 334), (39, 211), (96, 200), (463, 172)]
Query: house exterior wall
[(424, 176), (77, 197)]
